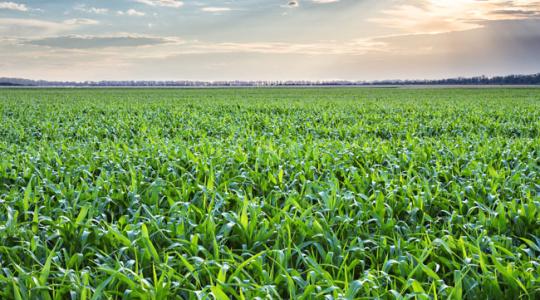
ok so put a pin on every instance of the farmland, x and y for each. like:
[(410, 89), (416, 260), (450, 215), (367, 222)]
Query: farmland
[(272, 193)]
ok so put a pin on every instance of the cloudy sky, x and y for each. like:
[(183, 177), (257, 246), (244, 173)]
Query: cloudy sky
[(267, 39)]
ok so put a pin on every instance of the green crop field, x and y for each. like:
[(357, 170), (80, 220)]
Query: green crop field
[(329, 193)]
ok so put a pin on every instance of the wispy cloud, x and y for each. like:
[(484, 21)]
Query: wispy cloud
[(214, 9), (17, 27), (90, 42), (163, 3), (131, 12), (167, 46), (432, 16), (92, 10), (13, 6), (355, 47), (81, 21)]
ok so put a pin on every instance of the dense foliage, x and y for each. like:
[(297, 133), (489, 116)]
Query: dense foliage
[(270, 193)]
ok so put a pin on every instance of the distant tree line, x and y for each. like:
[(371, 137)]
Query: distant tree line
[(480, 80)]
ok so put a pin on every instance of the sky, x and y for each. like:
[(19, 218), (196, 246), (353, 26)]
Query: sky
[(267, 39)]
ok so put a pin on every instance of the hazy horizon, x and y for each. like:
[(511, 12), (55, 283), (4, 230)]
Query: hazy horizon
[(268, 40)]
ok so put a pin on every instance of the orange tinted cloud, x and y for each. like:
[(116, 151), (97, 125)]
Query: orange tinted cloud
[(437, 16)]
